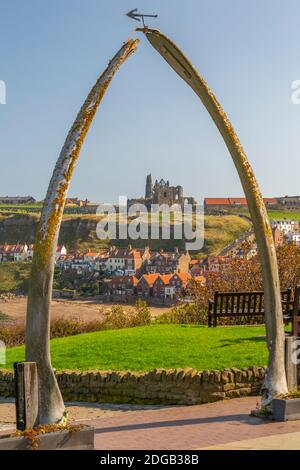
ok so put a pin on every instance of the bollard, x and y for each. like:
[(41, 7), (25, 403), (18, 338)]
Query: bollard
[(26, 388)]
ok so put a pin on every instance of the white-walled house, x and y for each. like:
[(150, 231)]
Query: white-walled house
[(20, 252), (294, 238), (60, 251), (30, 252), (126, 260), (16, 252), (24, 252), (286, 226)]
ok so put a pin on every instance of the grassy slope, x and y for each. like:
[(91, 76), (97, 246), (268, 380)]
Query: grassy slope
[(220, 231), (157, 346), (14, 276)]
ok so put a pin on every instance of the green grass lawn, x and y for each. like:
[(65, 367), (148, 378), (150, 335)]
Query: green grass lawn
[(277, 214), (157, 346)]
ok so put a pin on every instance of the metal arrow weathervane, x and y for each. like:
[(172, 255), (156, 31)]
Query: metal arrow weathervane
[(134, 15)]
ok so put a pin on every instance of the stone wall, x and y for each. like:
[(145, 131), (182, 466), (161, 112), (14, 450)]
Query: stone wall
[(160, 386)]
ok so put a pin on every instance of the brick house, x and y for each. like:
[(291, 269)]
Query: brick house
[(277, 236), (177, 285), (144, 286), (168, 263), (170, 286), (196, 268), (159, 286), (122, 287)]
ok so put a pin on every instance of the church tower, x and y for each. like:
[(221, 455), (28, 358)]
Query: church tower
[(148, 192)]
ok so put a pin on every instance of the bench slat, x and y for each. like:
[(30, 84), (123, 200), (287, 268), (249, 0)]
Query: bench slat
[(251, 304)]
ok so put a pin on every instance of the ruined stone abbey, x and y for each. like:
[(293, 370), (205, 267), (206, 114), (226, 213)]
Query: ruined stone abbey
[(162, 193)]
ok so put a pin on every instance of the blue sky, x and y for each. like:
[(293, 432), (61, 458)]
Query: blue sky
[(51, 52)]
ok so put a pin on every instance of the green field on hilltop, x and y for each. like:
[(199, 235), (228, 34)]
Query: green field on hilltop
[(277, 215), (157, 346)]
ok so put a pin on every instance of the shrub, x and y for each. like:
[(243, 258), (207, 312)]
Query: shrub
[(14, 334), (115, 319), (138, 316), (184, 314), (141, 314)]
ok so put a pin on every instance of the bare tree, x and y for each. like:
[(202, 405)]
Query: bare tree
[(275, 380), (51, 406)]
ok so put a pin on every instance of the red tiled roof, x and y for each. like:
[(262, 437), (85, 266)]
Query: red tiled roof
[(194, 262), (12, 248), (184, 277), (150, 278), (229, 201), (91, 254), (166, 278)]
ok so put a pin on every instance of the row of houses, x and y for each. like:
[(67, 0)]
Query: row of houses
[(122, 261), (229, 203), (166, 288), (286, 231), (128, 261), (23, 252), (161, 288), (16, 200)]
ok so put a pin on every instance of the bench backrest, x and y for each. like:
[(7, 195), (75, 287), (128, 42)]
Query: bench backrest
[(243, 303)]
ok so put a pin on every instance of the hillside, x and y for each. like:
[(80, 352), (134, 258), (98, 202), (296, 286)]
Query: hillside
[(79, 232), (220, 231), (14, 277)]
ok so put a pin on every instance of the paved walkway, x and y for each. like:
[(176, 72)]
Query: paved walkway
[(289, 441), (221, 425), (77, 411), (194, 427)]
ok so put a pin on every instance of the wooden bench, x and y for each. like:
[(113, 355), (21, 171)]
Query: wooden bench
[(248, 307)]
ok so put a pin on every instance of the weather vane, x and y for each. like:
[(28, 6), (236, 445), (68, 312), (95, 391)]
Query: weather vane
[(133, 14)]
